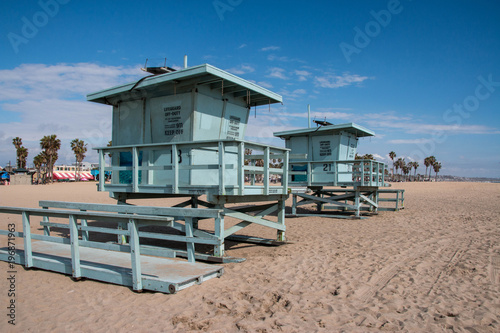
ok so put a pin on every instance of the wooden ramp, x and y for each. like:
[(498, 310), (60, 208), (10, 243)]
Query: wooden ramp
[(120, 264), (158, 274)]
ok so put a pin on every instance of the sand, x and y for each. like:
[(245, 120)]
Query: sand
[(432, 267)]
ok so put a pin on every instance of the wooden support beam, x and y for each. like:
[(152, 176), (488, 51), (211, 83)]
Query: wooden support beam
[(236, 228), (253, 219), (325, 200), (366, 199)]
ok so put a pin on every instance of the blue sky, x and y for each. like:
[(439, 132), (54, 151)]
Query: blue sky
[(424, 75)]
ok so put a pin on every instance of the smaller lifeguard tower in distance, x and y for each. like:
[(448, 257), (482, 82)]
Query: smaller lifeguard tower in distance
[(181, 134), (328, 159)]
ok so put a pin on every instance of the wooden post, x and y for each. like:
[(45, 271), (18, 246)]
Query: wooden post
[(284, 177), (83, 222), (28, 255), (219, 233), (309, 174), (135, 170), (135, 254), (266, 171), (175, 169), (102, 175), (294, 204), (281, 219), (46, 228), (241, 168), (189, 233), (122, 239), (75, 249), (222, 169), (194, 204)]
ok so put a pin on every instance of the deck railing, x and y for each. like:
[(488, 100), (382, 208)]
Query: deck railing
[(199, 167), (338, 173)]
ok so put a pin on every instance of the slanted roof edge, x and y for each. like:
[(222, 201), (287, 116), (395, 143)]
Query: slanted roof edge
[(339, 127), (183, 73)]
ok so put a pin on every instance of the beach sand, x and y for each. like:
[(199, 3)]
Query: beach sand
[(432, 267)]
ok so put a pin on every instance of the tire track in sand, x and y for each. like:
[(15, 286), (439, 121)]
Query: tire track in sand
[(380, 280), (494, 267)]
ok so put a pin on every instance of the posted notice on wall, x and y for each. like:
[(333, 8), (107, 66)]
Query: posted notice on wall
[(173, 119)]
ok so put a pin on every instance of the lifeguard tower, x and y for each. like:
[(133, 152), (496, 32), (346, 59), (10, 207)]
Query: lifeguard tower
[(328, 160), (181, 134), (175, 134)]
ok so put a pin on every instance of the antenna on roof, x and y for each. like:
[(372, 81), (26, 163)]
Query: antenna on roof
[(158, 70), (322, 123), (308, 116)]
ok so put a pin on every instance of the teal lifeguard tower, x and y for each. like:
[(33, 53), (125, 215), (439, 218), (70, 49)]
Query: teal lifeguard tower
[(324, 169), (176, 133), (181, 134)]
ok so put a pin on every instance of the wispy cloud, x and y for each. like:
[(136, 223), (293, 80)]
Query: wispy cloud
[(265, 84), (270, 48), (329, 116), (410, 141), (242, 46), (302, 74), (241, 69), (278, 73), (273, 57), (415, 127), (337, 81)]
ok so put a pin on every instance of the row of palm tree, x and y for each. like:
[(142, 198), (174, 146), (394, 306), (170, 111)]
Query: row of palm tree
[(21, 152), (406, 168), (47, 158)]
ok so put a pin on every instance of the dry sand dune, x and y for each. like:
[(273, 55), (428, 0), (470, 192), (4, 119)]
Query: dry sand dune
[(435, 266)]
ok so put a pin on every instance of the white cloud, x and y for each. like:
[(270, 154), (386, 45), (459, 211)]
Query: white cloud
[(302, 74), (241, 69), (265, 84), (420, 128), (270, 48), (39, 81), (329, 116), (337, 81), (38, 100), (410, 141), (242, 46), (299, 91), (278, 73), (273, 57)]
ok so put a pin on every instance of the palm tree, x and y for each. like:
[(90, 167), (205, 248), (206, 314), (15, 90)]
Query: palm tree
[(79, 147), (51, 144), (392, 155), (22, 154), (400, 164), (436, 166), (39, 160), (429, 162), (415, 166), (17, 142), (406, 170)]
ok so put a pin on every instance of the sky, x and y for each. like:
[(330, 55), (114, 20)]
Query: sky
[(423, 75)]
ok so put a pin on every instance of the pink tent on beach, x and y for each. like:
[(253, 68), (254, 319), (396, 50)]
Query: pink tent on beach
[(64, 175)]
